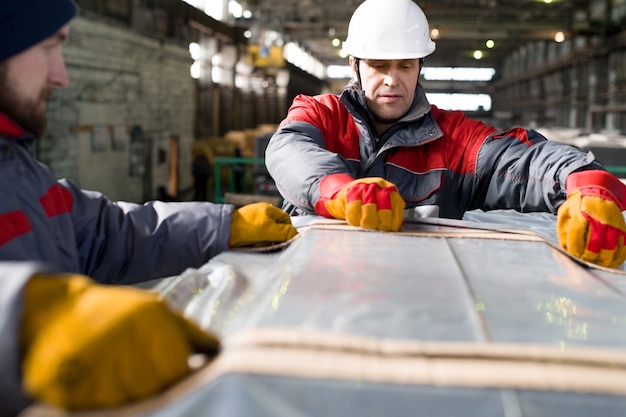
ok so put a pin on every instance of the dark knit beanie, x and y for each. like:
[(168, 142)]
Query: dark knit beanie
[(24, 23)]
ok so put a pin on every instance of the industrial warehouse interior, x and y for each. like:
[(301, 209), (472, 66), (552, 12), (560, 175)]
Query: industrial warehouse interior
[(221, 208), (151, 79)]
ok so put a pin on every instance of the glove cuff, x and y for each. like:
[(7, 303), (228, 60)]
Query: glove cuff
[(597, 183), (329, 186)]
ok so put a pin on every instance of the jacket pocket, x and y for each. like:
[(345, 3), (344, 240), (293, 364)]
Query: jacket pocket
[(418, 189)]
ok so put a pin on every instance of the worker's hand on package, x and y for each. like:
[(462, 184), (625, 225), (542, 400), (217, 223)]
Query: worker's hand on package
[(260, 224), (590, 224), (372, 203), (88, 346)]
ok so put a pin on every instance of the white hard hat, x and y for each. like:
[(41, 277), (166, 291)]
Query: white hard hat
[(388, 29)]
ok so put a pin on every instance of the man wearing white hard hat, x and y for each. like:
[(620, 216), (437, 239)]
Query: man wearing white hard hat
[(380, 147)]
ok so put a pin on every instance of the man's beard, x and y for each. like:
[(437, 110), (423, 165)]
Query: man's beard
[(25, 113)]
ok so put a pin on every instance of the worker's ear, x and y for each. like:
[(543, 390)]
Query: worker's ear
[(356, 75), (353, 63), (421, 65)]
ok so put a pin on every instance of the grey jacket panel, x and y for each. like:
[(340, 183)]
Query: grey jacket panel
[(53, 226)]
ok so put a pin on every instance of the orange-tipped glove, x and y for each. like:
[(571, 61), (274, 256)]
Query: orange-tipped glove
[(88, 346), (372, 203), (260, 224), (590, 224)]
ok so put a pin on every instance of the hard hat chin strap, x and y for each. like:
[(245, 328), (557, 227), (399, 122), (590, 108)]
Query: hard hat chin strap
[(357, 64)]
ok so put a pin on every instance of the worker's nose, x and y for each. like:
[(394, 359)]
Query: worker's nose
[(391, 78), (57, 75)]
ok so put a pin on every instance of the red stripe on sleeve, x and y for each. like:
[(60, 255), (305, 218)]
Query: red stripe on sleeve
[(57, 201), (518, 133), (12, 225)]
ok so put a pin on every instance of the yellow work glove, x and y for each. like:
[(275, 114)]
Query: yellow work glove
[(372, 203), (260, 224), (590, 224), (87, 346)]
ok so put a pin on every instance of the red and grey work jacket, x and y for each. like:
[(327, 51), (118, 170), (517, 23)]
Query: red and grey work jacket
[(435, 157), (50, 226), (78, 231)]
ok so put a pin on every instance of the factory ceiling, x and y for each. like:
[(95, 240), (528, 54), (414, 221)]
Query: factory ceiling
[(464, 25)]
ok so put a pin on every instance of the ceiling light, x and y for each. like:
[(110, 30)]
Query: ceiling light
[(478, 54), (490, 43), (559, 37)]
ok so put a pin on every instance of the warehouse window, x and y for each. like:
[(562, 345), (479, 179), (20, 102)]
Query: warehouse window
[(464, 102), (217, 9), (213, 8), (459, 101), (338, 71), (458, 74), (294, 54)]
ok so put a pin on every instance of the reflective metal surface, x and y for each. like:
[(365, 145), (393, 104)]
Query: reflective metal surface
[(387, 285), (435, 287)]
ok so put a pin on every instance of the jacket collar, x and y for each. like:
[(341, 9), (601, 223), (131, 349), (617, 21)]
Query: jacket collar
[(9, 128), (420, 106)]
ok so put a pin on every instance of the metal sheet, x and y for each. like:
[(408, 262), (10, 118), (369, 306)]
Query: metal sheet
[(404, 287), (414, 288)]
